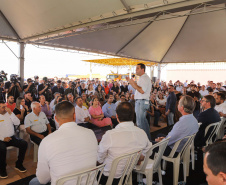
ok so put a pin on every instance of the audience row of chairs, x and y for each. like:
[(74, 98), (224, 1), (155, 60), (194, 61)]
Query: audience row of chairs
[(150, 166)]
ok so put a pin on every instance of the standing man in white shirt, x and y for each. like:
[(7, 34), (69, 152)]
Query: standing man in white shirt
[(125, 138), (7, 138), (68, 150), (142, 94)]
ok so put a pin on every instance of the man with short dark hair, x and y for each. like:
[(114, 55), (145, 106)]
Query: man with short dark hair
[(7, 138), (171, 105), (208, 116), (58, 88), (142, 94), (28, 99), (196, 95), (68, 150), (215, 164), (125, 138), (71, 89), (109, 110), (122, 99), (220, 105), (10, 102)]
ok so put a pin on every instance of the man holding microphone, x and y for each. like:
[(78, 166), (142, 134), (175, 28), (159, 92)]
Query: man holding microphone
[(142, 94)]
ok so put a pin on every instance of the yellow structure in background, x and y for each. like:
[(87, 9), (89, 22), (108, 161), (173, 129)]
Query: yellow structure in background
[(120, 62)]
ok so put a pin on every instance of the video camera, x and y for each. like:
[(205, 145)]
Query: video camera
[(3, 76), (15, 79)]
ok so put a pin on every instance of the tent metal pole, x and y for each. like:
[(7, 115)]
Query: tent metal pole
[(159, 71), (151, 72), (90, 74), (21, 62)]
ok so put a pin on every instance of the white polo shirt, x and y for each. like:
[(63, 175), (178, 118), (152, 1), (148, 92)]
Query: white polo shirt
[(6, 125), (125, 138), (221, 108), (81, 114), (145, 83), (37, 123), (68, 150)]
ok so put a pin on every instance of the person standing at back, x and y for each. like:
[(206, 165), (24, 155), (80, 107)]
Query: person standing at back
[(142, 93)]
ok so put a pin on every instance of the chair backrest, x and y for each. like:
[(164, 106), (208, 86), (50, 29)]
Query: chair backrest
[(221, 126), (212, 133), (188, 142), (158, 155), (131, 160), (87, 177)]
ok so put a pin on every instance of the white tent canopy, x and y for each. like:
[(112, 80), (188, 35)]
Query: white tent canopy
[(162, 31)]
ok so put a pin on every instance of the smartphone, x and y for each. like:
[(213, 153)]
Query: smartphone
[(21, 107)]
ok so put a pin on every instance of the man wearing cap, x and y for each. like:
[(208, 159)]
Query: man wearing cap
[(142, 94)]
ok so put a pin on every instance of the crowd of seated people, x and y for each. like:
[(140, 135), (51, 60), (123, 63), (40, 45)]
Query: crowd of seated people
[(95, 104)]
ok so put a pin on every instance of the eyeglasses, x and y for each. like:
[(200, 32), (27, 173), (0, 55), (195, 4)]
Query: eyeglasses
[(204, 100)]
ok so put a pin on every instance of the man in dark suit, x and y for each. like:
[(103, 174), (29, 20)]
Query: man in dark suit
[(208, 116)]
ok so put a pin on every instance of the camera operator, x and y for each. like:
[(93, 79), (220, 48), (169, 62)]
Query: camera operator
[(58, 88), (2, 91), (3, 77), (13, 86), (32, 88), (70, 89), (44, 89)]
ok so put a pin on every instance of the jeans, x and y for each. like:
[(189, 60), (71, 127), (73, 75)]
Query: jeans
[(35, 181), (16, 142), (170, 119), (141, 107)]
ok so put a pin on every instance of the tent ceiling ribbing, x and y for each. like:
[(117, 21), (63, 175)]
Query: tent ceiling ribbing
[(152, 30)]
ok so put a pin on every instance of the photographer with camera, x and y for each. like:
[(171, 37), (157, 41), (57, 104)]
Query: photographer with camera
[(45, 89), (32, 88), (70, 89), (13, 86), (2, 91)]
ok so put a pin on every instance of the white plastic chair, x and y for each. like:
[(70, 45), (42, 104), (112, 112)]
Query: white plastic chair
[(131, 161), (221, 127), (85, 177), (183, 155), (150, 166), (213, 132), (35, 154)]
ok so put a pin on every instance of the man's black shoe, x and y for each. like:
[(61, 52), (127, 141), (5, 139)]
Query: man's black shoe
[(3, 174), (157, 126), (20, 168)]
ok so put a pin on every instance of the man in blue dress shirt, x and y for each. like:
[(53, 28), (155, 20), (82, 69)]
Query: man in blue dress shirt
[(109, 110)]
